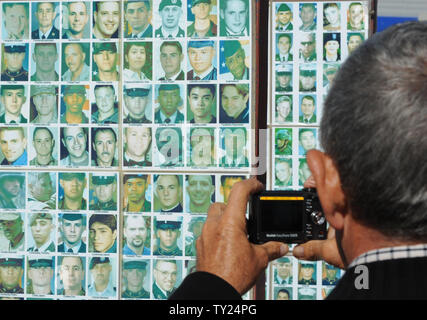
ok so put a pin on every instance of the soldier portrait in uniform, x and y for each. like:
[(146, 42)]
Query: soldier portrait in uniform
[(200, 191), (234, 147), (71, 227), (104, 65), (331, 17), (13, 229), (283, 112), (136, 275), (71, 277), (284, 17), (41, 190), (105, 110), (74, 148), (44, 20), (12, 190), (137, 193), (307, 77), (307, 273), (40, 275), (15, 62), (169, 147), (166, 278), (332, 47), (42, 230), (233, 61), (137, 19), (284, 78), (227, 182), (168, 191), (15, 24), (307, 14), (72, 103), (234, 103), (234, 18), (137, 64), (13, 145), (307, 140), (201, 99), (282, 271), (104, 147), (329, 72), (308, 109), (168, 235), (307, 49), (202, 147), (195, 226), (45, 57), (171, 58), (303, 171), (103, 192), (170, 12), (330, 275), (44, 104), (106, 17), (354, 40), (75, 18), (283, 142), (283, 173), (102, 279), (202, 21), (75, 61), (356, 17), (284, 47), (283, 293), (137, 101), (13, 99), (202, 59), (169, 100), (136, 235), (11, 272), (103, 233), (137, 147), (73, 187), (43, 146)]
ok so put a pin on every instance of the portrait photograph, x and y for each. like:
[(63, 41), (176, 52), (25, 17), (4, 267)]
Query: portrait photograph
[(168, 193), (202, 18), (193, 232), (71, 275), (284, 47), (104, 150), (45, 20), (136, 278), (45, 61), (75, 61), (307, 140), (13, 146), (72, 233), (103, 191), (137, 103), (76, 20), (41, 188), (138, 19), (14, 104), (199, 193), (12, 28), (73, 191), (137, 190), (169, 19), (44, 104), (284, 17), (74, 149), (168, 235), (136, 234), (201, 103), (234, 151), (235, 60), (12, 190), (15, 64), (103, 233), (137, 141), (40, 275), (102, 280), (284, 109), (44, 146), (167, 277), (138, 61), (169, 149), (235, 18), (201, 147), (41, 232)]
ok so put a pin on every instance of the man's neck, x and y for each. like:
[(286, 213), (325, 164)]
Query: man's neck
[(101, 163), (202, 24), (136, 206), (135, 158), (108, 75), (98, 34), (46, 118), (139, 30), (82, 159), (172, 76), (75, 75), (45, 76), (74, 117), (199, 209), (137, 250), (170, 31), (101, 287), (103, 116), (44, 160), (45, 29), (73, 204), (73, 291), (75, 35), (15, 242), (205, 119), (13, 117), (41, 289)]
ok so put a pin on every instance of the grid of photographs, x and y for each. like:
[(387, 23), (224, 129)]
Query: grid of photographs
[(120, 122), (309, 41)]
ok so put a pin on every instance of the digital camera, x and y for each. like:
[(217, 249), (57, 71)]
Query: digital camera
[(286, 216)]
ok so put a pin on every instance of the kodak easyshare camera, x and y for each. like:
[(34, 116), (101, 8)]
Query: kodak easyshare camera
[(286, 216)]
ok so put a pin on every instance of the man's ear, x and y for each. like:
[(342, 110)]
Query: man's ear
[(328, 185)]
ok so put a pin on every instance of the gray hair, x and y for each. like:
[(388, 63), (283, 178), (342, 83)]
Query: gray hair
[(374, 128)]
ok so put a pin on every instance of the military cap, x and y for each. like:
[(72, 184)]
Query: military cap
[(331, 37), (40, 262), (168, 87), (283, 7), (14, 262), (283, 70), (231, 47), (40, 215), (98, 260), (201, 44), (196, 220), (104, 46), (307, 71), (71, 175), (330, 69), (168, 222), (12, 87), (134, 264), (283, 135), (283, 259), (165, 3), (14, 48), (36, 90), (196, 2), (307, 265), (137, 90), (330, 267), (103, 180), (134, 176), (9, 216), (79, 89), (12, 176), (72, 216), (307, 291)]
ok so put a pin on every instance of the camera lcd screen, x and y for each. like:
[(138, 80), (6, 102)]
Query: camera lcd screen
[(283, 215)]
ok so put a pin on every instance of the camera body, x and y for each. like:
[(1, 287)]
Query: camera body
[(286, 216)]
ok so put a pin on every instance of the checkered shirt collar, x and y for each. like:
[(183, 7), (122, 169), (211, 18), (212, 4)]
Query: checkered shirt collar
[(392, 253)]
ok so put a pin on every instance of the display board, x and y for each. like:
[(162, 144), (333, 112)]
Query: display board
[(120, 123), (308, 42)]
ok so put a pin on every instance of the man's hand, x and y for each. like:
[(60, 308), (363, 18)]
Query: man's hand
[(223, 248), (326, 250)]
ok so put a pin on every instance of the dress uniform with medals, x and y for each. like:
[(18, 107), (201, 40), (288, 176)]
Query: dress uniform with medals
[(99, 181), (310, 281), (11, 262), (284, 70), (19, 75), (133, 92), (168, 223), (141, 293), (36, 263)]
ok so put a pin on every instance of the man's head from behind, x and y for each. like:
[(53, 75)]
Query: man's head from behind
[(388, 118)]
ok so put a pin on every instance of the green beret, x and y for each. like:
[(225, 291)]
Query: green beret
[(79, 89), (104, 46), (134, 264), (231, 47), (71, 175), (283, 7), (165, 3), (168, 87)]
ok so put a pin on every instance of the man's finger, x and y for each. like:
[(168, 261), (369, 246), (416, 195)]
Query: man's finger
[(274, 250), (215, 211), (311, 250)]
